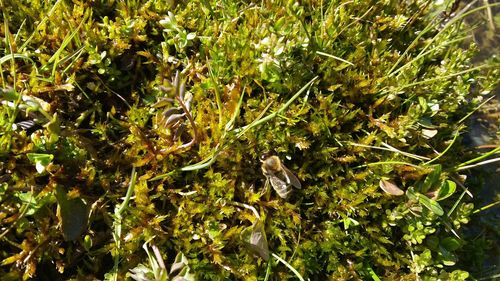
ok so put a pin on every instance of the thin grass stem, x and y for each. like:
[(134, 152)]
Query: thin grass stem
[(280, 110), (389, 163), (445, 77), (42, 23), (391, 149), (478, 164), (445, 150), (428, 52), (289, 267), (456, 203), (334, 57), (483, 156), (130, 191)]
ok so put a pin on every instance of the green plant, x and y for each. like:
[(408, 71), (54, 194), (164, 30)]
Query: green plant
[(127, 122)]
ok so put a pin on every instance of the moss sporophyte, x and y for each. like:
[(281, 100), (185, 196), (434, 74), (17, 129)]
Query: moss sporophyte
[(131, 135)]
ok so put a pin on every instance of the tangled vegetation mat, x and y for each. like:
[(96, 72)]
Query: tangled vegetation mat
[(131, 136)]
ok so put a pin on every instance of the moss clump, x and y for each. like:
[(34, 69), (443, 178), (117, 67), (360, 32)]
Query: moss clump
[(170, 105)]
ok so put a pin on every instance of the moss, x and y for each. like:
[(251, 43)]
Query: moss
[(171, 104)]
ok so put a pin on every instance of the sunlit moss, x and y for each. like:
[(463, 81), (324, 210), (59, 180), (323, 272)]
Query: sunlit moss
[(346, 93)]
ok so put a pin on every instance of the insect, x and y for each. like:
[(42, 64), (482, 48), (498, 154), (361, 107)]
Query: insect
[(280, 177)]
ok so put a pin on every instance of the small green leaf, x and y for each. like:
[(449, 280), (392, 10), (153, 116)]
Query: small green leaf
[(423, 104), (8, 94), (459, 275), (349, 221), (450, 243), (432, 179), (87, 242), (411, 194), (54, 127), (447, 257), (446, 190), (34, 202), (430, 204), (40, 160), (432, 242)]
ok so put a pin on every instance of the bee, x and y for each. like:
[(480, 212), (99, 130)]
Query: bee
[(280, 177)]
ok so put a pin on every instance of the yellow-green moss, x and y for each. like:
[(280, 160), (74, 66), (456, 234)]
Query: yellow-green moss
[(347, 93)]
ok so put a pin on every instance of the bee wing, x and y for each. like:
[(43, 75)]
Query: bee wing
[(291, 178), (280, 186)]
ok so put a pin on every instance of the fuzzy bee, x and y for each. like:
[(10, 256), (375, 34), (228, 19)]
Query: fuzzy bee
[(278, 175)]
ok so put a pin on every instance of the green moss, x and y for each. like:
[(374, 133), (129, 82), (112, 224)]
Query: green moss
[(347, 93)]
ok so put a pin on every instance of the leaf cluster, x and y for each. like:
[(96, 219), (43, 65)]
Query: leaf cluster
[(124, 123)]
